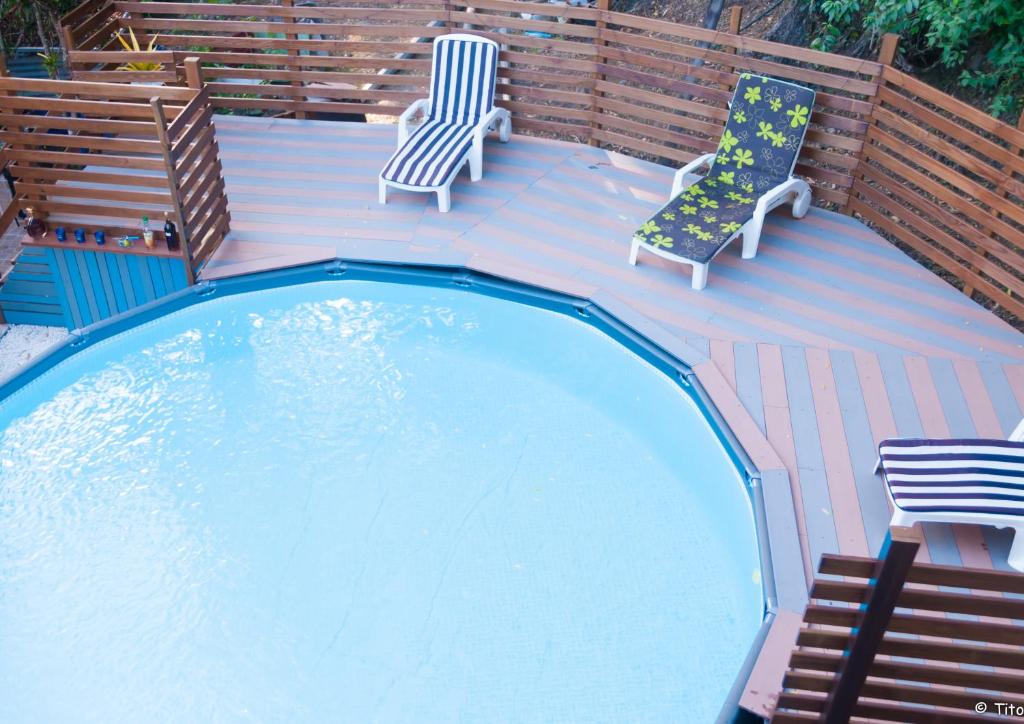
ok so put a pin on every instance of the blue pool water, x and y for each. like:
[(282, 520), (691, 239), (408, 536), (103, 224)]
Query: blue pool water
[(364, 502)]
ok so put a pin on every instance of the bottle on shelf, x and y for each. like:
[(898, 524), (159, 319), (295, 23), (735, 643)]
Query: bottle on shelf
[(35, 223), (147, 233), (170, 233)]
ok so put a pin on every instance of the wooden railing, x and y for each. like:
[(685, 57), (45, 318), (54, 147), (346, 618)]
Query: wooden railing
[(628, 82), (940, 178), (100, 156), (877, 642), (193, 163), (947, 180)]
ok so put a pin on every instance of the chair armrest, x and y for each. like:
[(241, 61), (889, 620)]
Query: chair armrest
[(417, 107), (679, 180), (777, 195), (480, 130)]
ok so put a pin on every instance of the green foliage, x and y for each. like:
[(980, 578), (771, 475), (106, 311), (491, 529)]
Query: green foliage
[(32, 22), (51, 61), (982, 41)]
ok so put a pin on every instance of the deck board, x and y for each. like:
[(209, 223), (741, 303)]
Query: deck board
[(829, 341)]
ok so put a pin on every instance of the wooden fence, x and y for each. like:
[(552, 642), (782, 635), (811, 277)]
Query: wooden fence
[(576, 73), (947, 180), (100, 156), (877, 642), (937, 176)]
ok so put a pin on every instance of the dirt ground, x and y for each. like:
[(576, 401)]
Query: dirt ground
[(760, 17)]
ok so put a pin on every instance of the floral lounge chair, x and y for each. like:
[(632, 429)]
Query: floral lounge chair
[(458, 113), (749, 175)]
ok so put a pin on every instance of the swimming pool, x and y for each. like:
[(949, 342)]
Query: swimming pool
[(366, 501)]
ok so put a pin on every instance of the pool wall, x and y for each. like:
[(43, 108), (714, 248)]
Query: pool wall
[(446, 276)]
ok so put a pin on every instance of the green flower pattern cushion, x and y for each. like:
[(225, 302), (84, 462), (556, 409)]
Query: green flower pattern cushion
[(766, 126)]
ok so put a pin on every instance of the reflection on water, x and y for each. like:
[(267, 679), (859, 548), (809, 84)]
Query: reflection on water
[(356, 502)]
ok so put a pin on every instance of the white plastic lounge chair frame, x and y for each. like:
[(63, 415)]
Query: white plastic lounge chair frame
[(792, 190), (907, 518), (493, 118)]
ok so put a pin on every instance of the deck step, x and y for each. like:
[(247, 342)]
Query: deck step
[(29, 293), (765, 681)]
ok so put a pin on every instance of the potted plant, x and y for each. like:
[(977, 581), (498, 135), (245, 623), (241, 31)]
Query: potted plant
[(51, 61), (140, 66)]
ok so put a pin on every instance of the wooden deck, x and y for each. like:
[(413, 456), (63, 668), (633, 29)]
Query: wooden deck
[(830, 340)]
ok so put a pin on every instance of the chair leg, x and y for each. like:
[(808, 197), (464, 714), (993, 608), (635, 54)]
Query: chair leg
[(1016, 557), (634, 251), (505, 128), (752, 235), (382, 191), (700, 276), (444, 199), (476, 162), (901, 519), (802, 203)]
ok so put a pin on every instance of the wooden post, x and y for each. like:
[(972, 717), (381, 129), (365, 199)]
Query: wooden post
[(293, 54), (160, 119), (193, 73), (886, 55), (10, 212), (599, 41), (888, 47), (898, 552), (735, 18)]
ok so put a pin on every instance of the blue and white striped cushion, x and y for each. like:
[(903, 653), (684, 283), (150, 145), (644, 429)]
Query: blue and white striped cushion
[(463, 78), (432, 153), (461, 93), (961, 476)]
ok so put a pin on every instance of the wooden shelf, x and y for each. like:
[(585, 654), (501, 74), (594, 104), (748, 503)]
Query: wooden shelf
[(139, 249)]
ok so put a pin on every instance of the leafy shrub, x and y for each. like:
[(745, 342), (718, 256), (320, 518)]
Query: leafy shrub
[(981, 40)]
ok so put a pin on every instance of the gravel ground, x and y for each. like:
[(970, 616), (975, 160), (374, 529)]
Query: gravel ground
[(22, 343), (19, 343)]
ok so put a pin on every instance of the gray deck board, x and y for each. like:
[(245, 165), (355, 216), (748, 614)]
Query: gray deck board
[(561, 215)]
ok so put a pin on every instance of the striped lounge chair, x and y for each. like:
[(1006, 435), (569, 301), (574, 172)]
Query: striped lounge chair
[(457, 115), (958, 481), (749, 175)]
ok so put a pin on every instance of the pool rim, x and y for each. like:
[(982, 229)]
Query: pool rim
[(450, 276)]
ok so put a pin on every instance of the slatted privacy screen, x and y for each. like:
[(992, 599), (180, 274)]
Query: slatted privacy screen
[(285, 57), (548, 62), (100, 156), (197, 175), (931, 172), (947, 180), (646, 87), (667, 86), (950, 624)]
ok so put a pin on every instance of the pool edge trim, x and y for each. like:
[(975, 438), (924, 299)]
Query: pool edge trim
[(774, 533)]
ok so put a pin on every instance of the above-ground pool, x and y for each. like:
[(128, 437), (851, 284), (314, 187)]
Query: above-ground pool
[(362, 501)]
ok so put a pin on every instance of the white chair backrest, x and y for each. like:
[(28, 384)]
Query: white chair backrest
[(463, 77)]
